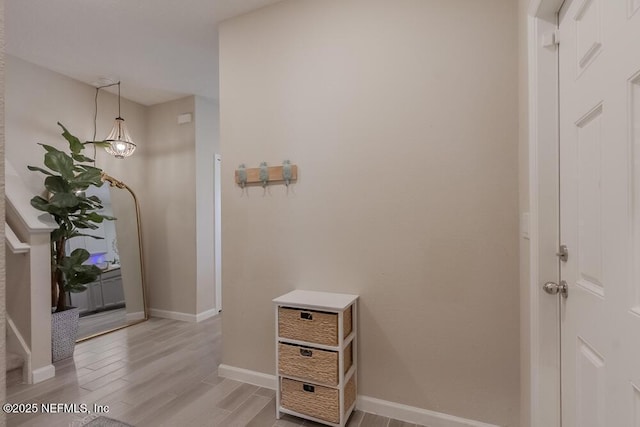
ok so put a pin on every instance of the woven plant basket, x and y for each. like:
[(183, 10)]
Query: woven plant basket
[(64, 331)]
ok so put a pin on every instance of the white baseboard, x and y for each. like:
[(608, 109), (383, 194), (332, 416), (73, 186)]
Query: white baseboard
[(44, 373), (247, 376), (132, 317), (174, 315), (206, 314), (411, 414), (184, 317), (401, 412)]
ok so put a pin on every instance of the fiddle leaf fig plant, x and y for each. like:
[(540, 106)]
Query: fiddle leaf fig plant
[(68, 175)]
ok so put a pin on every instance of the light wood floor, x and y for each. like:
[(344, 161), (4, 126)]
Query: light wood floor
[(103, 321), (159, 373)]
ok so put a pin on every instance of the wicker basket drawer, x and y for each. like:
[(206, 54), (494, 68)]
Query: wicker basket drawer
[(311, 364), (316, 401), (312, 326)]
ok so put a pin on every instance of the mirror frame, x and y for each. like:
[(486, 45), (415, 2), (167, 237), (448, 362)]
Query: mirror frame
[(121, 185)]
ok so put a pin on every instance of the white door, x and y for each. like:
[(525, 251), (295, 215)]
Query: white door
[(600, 212)]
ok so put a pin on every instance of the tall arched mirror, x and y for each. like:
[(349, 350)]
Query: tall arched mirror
[(117, 298)]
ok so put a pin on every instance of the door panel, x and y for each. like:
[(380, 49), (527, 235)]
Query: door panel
[(600, 212), (589, 244), (588, 33), (634, 5), (636, 406), (631, 317), (590, 388)]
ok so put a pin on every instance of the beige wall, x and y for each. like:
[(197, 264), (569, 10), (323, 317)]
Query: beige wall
[(402, 117), (3, 336), (38, 98), (18, 298), (162, 172), (169, 230), (523, 179)]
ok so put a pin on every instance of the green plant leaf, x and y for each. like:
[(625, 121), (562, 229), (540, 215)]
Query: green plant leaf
[(58, 213), (37, 169), (76, 234), (95, 217), (59, 162), (56, 184), (78, 256), (101, 144), (86, 206), (87, 269), (84, 224), (79, 275), (74, 143), (68, 174), (58, 233), (95, 201), (43, 205), (49, 148), (64, 200), (81, 158), (40, 203), (76, 281), (90, 176)]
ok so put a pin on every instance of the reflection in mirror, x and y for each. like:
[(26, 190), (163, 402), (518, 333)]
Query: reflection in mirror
[(117, 298)]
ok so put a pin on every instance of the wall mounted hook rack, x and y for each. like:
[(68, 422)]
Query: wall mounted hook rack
[(275, 176)]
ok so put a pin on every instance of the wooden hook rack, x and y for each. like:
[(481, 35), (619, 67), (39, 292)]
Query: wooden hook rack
[(275, 175)]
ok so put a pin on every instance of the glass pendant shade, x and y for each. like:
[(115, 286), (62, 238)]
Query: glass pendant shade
[(120, 144)]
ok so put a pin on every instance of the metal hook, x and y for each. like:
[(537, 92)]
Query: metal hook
[(286, 172), (242, 175), (264, 174)]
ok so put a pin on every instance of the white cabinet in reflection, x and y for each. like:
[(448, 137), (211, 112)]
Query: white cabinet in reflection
[(112, 291), (103, 294)]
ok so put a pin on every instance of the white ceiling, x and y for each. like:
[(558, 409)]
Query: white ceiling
[(159, 49)]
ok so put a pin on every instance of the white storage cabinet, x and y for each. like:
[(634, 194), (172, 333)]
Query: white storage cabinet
[(316, 355)]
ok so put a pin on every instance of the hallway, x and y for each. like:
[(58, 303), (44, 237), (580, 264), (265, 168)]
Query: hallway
[(158, 373)]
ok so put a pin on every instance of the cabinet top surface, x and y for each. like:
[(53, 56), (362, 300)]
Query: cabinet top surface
[(316, 299)]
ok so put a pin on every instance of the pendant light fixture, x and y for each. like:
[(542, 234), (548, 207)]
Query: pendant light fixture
[(120, 143)]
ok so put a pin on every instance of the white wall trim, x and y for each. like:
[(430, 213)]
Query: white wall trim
[(15, 245), (132, 317), (384, 408), (207, 314), (544, 371), (183, 317), (533, 222), (411, 414), (544, 9), (248, 376), (42, 374), (174, 315)]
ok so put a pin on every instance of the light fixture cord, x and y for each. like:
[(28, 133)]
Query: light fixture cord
[(95, 115), (119, 100)]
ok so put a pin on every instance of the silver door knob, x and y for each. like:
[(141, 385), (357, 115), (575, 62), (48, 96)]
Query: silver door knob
[(553, 288)]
